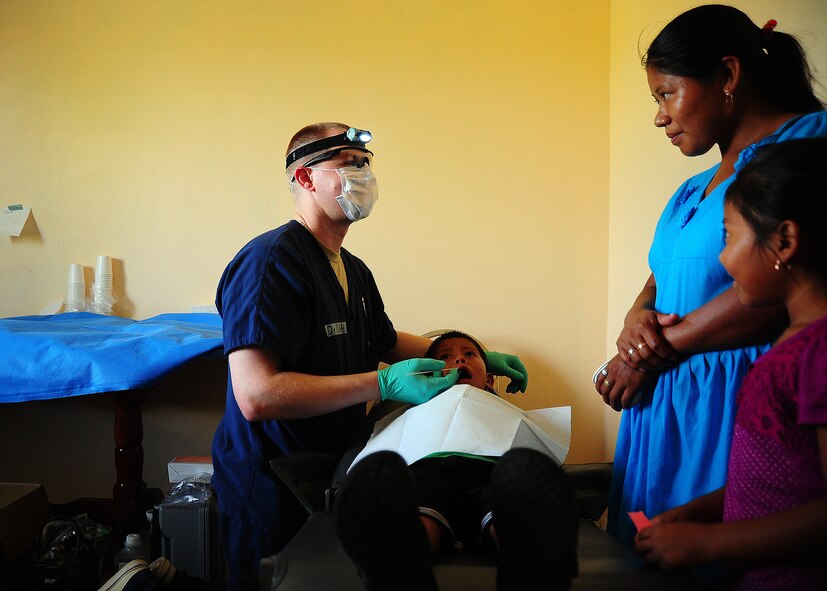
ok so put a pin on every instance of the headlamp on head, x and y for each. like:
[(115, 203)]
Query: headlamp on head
[(362, 136), (352, 138)]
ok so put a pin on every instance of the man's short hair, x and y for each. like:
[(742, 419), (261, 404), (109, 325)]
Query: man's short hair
[(311, 133)]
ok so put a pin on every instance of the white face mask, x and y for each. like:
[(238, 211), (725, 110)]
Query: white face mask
[(359, 191)]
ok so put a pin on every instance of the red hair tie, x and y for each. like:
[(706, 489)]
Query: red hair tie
[(766, 32)]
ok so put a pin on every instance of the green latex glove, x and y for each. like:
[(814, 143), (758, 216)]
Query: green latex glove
[(395, 383), (510, 366)]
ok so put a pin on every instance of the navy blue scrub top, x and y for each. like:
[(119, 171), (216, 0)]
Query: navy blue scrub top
[(280, 293)]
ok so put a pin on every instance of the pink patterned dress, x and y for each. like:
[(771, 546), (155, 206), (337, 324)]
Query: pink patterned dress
[(774, 461)]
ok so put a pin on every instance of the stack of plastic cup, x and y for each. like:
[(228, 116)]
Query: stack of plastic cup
[(103, 273), (102, 298), (76, 293)]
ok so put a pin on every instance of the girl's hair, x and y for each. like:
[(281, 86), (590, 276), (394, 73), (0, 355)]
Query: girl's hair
[(785, 181), (455, 334), (693, 44)]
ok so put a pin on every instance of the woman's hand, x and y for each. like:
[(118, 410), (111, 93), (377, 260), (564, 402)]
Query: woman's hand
[(619, 384), (677, 544), (641, 344)]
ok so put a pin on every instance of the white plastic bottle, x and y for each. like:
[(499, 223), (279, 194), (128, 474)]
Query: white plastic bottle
[(133, 549)]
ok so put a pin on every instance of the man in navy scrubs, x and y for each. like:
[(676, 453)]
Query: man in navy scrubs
[(304, 330)]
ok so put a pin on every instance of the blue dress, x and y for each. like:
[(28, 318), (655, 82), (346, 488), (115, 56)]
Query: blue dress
[(674, 446)]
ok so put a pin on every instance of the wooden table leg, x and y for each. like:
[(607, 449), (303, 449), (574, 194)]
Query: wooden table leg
[(129, 452)]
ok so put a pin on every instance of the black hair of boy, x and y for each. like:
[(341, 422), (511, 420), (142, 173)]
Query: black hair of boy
[(455, 334)]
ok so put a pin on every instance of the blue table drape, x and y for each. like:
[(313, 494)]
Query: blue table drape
[(77, 353)]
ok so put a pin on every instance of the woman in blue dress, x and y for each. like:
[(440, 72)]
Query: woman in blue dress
[(718, 79)]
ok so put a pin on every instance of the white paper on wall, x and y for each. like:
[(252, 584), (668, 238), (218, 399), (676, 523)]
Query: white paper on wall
[(13, 218)]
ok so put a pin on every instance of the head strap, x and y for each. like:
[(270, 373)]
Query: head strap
[(352, 138)]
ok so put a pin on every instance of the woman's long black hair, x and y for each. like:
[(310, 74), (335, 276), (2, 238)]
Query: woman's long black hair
[(693, 44)]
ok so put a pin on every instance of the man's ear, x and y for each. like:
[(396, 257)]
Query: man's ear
[(303, 178), (785, 240), (730, 72)]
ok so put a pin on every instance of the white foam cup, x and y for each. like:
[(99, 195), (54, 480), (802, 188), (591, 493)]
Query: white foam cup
[(77, 283), (103, 273)]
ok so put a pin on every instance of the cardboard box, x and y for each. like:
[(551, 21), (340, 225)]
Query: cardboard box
[(180, 467), (24, 510)]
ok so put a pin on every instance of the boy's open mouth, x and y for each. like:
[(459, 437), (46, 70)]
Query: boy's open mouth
[(464, 373)]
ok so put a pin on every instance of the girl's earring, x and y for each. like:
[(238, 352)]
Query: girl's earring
[(779, 265), (728, 98)]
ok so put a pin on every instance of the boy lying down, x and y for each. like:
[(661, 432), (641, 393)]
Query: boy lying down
[(393, 519)]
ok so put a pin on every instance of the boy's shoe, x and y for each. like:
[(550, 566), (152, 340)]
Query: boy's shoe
[(536, 523), (158, 575), (133, 576), (162, 569), (377, 521)]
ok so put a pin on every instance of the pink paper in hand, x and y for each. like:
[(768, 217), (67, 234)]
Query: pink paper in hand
[(640, 520)]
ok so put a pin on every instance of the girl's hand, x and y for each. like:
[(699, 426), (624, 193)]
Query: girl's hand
[(678, 544), (641, 344), (708, 508), (619, 384), (675, 515)]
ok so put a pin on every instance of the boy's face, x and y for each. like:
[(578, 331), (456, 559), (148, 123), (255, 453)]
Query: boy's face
[(461, 354)]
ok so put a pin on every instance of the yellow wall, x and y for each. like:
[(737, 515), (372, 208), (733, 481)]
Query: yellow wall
[(520, 176), (154, 132)]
